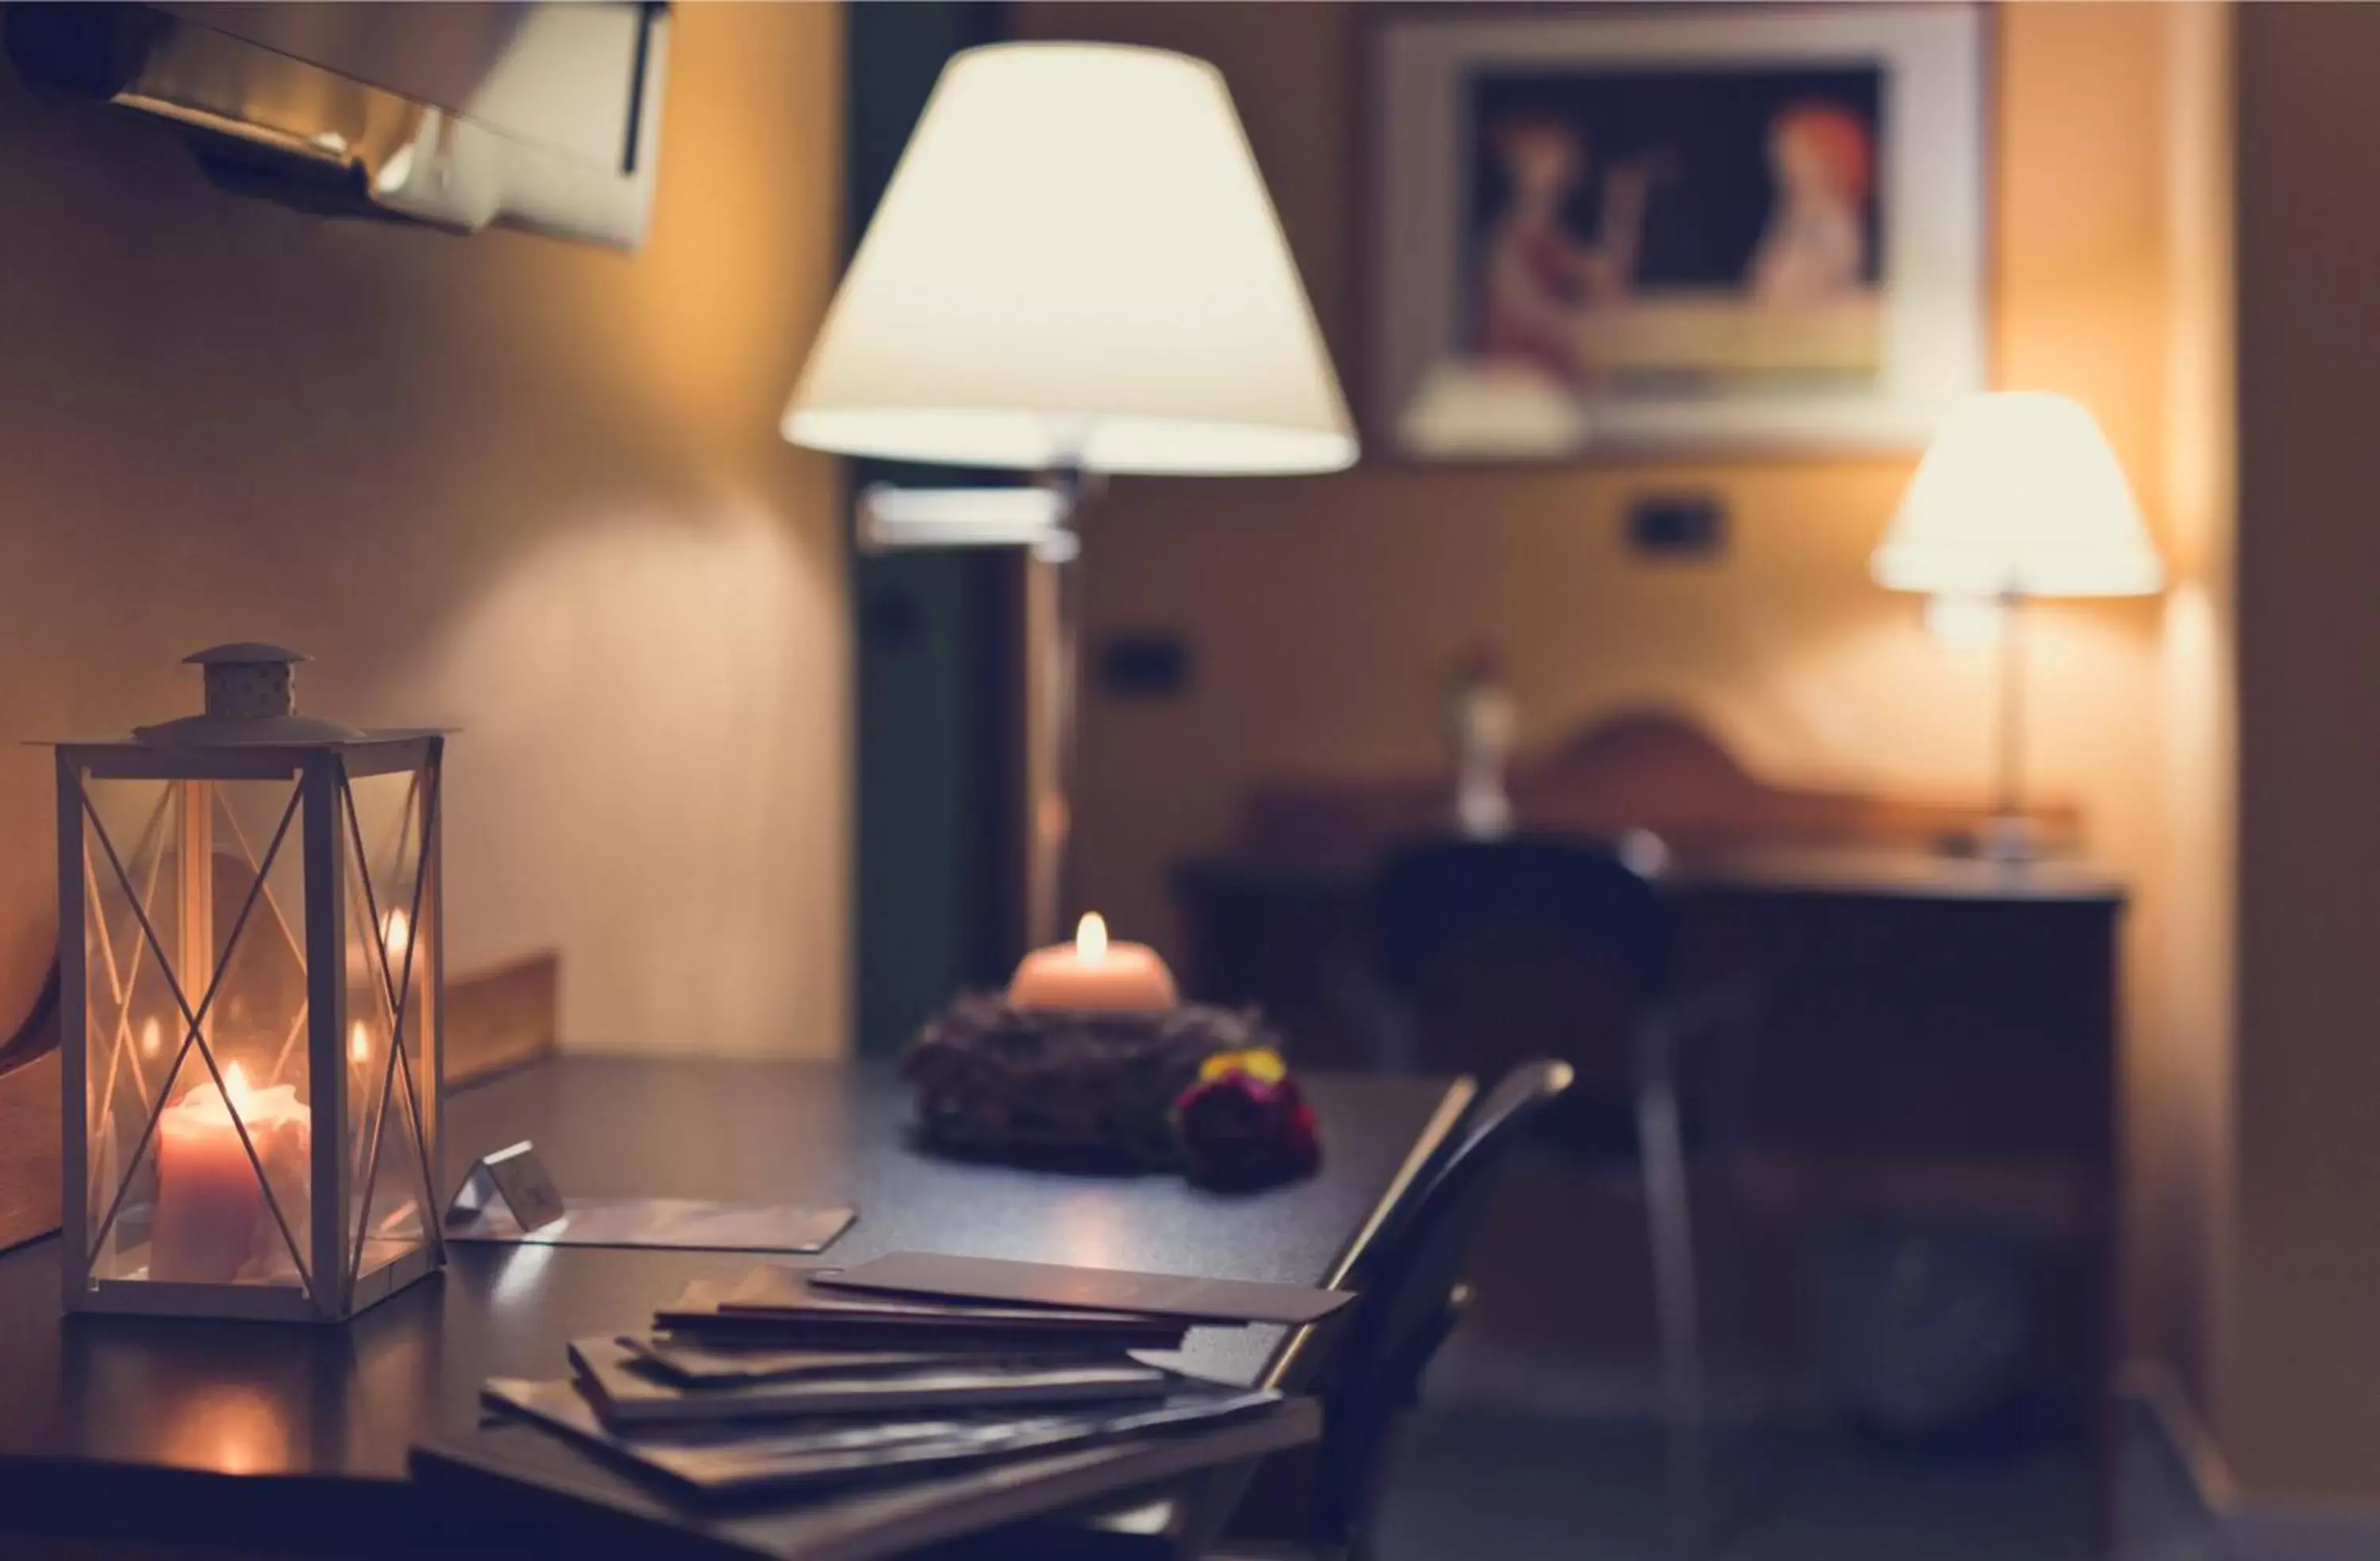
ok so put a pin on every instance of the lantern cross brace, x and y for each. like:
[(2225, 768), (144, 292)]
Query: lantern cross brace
[(194, 1036), (394, 994)]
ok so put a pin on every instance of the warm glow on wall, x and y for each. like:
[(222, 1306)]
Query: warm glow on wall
[(647, 676)]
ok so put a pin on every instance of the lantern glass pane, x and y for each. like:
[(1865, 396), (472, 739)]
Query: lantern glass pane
[(206, 1177), (389, 1095), (133, 1026)]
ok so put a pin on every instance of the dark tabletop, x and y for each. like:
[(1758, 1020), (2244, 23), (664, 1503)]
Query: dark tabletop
[(125, 1426)]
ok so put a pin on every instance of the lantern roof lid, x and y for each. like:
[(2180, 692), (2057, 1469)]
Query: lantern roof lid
[(244, 652), (251, 698)]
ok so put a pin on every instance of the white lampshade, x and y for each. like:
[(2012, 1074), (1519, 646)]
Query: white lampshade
[(1075, 264), (2019, 492)]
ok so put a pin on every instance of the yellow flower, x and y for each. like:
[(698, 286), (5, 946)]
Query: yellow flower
[(1261, 1063)]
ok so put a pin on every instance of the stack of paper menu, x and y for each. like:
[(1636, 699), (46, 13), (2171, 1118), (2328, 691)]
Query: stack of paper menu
[(794, 1378)]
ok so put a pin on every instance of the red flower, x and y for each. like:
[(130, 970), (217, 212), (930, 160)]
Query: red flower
[(1246, 1124)]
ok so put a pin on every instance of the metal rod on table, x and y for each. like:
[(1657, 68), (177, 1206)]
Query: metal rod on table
[(2012, 798), (1052, 886), (1065, 723)]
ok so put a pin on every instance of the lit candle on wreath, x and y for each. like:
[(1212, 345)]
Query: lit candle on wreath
[(1093, 975), (1091, 1053)]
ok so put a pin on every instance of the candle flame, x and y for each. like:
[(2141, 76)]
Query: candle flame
[(152, 1037), (397, 934), (358, 1043), (1091, 935), (210, 1104)]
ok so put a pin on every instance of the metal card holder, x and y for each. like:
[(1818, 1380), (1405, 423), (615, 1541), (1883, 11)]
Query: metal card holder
[(516, 1178)]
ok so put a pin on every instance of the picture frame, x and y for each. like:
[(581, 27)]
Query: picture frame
[(1694, 230)]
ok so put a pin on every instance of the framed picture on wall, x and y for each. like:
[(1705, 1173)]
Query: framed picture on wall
[(1703, 228)]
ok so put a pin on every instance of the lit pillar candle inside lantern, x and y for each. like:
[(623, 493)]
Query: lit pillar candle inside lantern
[(1091, 974), (211, 1219)]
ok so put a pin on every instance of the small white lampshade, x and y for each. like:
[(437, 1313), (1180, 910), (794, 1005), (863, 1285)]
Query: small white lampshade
[(1075, 264), (2019, 493)]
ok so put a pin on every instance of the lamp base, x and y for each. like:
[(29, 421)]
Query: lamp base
[(2008, 837)]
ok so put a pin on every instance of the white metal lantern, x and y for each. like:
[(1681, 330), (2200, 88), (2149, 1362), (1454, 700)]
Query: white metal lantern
[(249, 948)]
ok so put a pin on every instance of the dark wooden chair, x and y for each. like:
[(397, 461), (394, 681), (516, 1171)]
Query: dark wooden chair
[(1492, 952), (1413, 1294), (1500, 949)]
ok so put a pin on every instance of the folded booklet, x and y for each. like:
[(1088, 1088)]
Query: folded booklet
[(627, 1391), (691, 1364), (724, 1460), (1054, 1287), (779, 1305)]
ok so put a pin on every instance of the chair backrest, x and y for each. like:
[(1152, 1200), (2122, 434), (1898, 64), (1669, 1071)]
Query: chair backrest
[(1502, 951), (1408, 1280)]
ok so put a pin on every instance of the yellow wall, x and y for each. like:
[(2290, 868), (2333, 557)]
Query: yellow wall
[(529, 488), (1322, 610)]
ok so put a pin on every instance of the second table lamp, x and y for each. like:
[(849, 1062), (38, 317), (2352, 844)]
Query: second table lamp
[(2019, 496)]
